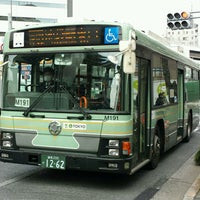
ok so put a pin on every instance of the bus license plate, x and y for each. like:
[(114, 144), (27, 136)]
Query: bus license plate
[(53, 162)]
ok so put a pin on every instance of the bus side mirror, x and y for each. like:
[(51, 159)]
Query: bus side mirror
[(128, 49), (129, 62)]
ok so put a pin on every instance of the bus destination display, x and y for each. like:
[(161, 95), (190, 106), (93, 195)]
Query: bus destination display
[(59, 36)]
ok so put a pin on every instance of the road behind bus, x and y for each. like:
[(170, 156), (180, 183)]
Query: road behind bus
[(33, 183)]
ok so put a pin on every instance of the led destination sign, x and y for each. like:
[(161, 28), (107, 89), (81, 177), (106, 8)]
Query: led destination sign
[(59, 36)]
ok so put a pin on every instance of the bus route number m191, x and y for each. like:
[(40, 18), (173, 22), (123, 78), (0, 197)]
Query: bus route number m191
[(111, 117)]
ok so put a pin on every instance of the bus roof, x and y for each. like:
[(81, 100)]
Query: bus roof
[(159, 47)]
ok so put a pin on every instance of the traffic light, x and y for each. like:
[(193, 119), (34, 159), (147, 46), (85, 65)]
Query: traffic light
[(179, 20)]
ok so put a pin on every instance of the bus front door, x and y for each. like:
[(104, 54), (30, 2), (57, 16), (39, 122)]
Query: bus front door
[(144, 106), (180, 104)]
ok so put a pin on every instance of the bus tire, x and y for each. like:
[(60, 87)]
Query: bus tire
[(156, 151), (189, 128)]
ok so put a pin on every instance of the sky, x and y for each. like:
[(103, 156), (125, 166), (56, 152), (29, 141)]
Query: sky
[(143, 14)]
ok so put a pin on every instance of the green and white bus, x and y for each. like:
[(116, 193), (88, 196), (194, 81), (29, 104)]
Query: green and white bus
[(117, 101)]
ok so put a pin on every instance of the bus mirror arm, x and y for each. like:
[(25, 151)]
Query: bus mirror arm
[(4, 63), (129, 60), (128, 45), (127, 48)]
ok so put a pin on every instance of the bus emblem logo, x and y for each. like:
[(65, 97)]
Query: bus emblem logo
[(55, 128)]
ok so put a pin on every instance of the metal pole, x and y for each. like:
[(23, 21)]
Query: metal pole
[(10, 17), (195, 12), (69, 8)]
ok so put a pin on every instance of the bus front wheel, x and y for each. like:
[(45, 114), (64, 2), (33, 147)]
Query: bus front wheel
[(155, 157), (188, 129)]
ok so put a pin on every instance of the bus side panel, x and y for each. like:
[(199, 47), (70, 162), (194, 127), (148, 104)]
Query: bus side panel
[(168, 116)]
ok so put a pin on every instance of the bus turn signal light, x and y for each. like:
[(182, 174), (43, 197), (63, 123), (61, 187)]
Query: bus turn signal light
[(126, 148)]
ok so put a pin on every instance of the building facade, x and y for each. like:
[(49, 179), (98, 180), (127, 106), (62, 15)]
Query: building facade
[(183, 37), (185, 41), (19, 13)]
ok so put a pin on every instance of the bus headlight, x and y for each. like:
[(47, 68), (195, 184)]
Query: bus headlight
[(7, 136), (113, 143), (7, 140), (7, 144), (113, 152)]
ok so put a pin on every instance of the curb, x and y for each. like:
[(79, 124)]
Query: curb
[(184, 184), (193, 190)]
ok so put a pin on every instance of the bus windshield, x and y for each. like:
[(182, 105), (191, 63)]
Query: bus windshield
[(68, 80)]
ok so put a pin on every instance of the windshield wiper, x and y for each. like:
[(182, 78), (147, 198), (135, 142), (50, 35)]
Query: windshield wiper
[(85, 114), (26, 112)]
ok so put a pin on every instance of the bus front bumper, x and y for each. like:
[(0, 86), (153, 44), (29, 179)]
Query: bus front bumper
[(75, 161)]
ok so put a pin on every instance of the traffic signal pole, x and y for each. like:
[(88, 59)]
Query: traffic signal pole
[(69, 8), (10, 17), (195, 12)]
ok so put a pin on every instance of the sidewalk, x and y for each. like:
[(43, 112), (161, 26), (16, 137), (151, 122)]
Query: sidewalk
[(193, 191), (184, 184)]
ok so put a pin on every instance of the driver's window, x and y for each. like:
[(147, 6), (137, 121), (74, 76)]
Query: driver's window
[(12, 74), (18, 75)]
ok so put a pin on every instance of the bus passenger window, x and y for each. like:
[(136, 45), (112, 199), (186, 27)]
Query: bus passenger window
[(161, 100), (164, 81)]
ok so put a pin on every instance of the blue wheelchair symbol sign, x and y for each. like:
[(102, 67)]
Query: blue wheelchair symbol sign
[(111, 35)]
